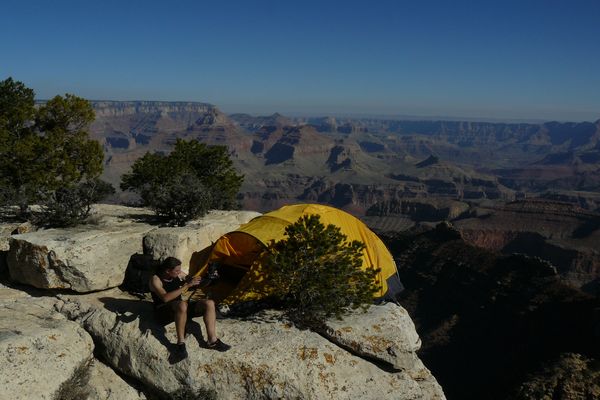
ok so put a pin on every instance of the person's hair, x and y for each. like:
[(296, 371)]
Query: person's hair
[(168, 263)]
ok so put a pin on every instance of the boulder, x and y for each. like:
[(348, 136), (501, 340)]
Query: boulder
[(40, 350), (270, 358), (182, 242), (95, 256), (6, 230), (387, 334), (383, 332), (83, 258), (104, 384)]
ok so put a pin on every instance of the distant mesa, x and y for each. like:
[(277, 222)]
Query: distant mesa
[(131, 108), (431, 160), (333, 125), (256, 123), (577, 134), (372, 159)]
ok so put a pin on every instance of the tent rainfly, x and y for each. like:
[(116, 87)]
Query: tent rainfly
[(238, 252)]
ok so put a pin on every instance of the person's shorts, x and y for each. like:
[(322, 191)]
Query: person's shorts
[(164, 313)]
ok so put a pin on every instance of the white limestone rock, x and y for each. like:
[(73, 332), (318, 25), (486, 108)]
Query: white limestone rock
[(9, 295), (182, 242), (384, 332), (270, 358), (84, 258), (104, 384), (95, 256), (40, 349)]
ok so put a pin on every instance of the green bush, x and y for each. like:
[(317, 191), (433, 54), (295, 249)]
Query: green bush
[(68, 206), (186, 183), (317, 274), (45, 150), (179, 199)]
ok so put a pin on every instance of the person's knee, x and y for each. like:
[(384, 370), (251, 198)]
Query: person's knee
[(210, 304), (181, 307), (207, 307)]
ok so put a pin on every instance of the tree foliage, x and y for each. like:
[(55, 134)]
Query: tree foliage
[(180, 199), (44, 150), (317, 274), (186, 183), (17, 108), (70, 205)]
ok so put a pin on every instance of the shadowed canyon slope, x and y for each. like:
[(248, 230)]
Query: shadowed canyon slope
[(497, 326)]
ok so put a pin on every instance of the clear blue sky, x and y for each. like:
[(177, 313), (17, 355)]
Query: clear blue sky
[(498, 59)]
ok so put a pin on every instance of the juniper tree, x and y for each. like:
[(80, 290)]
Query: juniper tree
[(44, 149), (317, 273), (184, 184)]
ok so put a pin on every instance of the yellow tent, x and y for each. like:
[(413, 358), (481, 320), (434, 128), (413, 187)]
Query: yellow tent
[(238, 252)]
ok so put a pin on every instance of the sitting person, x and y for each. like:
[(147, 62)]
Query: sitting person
[(166, 287)]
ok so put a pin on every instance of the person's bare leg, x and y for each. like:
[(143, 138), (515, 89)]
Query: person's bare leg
[(210, 320), (180, 310)]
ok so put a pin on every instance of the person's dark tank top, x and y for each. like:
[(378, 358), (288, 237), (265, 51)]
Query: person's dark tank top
[(169, 286)]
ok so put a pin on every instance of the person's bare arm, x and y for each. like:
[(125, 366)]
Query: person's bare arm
[(156, 286)]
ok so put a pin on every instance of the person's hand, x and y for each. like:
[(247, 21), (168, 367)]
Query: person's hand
[(193, 281)]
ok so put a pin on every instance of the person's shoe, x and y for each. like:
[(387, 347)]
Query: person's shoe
[(218, 345), (177, 353), (181, 351)]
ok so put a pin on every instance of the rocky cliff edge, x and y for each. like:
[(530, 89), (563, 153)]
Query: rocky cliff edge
[(57, 343)]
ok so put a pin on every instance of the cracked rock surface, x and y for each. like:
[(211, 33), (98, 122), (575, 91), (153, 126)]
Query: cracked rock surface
[(270, 358), (40, 349)]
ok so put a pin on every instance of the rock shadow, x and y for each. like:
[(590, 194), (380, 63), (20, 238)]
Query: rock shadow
[(128, 311)]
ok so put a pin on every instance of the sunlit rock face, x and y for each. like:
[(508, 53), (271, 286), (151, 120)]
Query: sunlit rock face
[(40, 349), (84, 258), (370, 356), (95, 256)]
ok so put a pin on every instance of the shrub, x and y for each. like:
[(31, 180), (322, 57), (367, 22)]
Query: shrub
[(185, 184), (317, 274), (180, 199), (68, 206), (44, 150)]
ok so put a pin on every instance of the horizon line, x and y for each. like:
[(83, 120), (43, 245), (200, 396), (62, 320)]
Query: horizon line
[(396, 117)]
